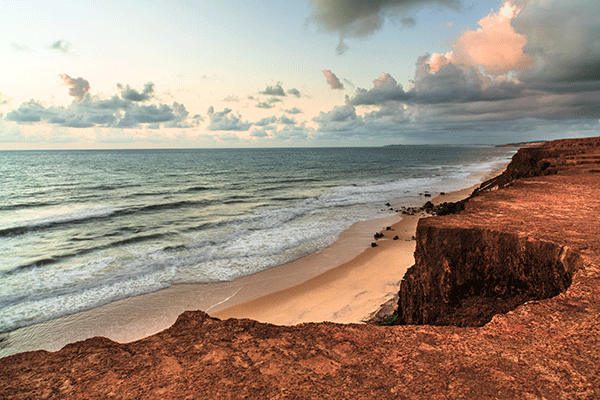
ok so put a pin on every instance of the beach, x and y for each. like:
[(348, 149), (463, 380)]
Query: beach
[(345, 283), (349, 292)]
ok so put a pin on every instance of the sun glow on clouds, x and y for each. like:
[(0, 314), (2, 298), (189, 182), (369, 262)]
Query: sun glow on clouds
[(495, 46)]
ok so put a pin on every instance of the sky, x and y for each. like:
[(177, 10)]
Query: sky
[(249, 73)]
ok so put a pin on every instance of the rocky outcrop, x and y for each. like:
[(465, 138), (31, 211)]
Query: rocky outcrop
[(531, 247), (567, 157)]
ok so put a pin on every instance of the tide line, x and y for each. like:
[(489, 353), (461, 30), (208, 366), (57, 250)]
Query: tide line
[(221, 302)]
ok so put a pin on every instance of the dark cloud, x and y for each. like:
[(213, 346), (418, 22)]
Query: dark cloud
[(286, 121), (30, 111), (294, 92), (141, 114), (130, 94), (563, 39), (385, 88), (225, 121), (360, 18), (61, 45), (266, 121), (269, 103), (332, 80), (259, 133), (338, 114), (291, 134), (264, 104), (294, 110), (231, 98), (77, 87), (449, 84), (276, 90)]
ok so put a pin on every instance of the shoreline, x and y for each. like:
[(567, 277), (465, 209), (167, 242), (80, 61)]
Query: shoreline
[(351, 291), (266, 296)]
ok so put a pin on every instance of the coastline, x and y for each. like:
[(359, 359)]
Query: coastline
[(519, 228), (310, 289)]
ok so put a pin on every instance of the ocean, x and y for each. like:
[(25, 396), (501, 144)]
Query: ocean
[(79, 229)]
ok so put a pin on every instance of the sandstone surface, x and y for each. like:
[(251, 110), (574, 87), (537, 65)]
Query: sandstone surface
[(509, 290)]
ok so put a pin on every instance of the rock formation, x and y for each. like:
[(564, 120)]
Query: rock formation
[(514, 277)]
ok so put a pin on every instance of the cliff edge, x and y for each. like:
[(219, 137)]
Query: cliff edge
[(508, 290)]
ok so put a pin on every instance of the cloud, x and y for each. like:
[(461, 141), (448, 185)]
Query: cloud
[(4, 100), (30, 111), (338, 114), (563, 39), (286, 121), (333, 80), (294, 110), (259, 133), (266, 121), (94, 111), (151, 114), (19, 47), (225, 121), (276, 90), (77, 87), (263, 104), (385, 88), (61, 45), (269, 103), (294, 92), (495, 46), (360, 18), (232, 98), (292, 134), (127, 93)]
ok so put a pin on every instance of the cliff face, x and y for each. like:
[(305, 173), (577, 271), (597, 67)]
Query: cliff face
[(530, 245), (507, 247), (464, 276)]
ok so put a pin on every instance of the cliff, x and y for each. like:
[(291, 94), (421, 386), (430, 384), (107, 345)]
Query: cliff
[(514, 277), (522, 243)]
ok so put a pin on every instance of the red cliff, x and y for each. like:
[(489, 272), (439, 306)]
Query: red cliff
[(514, 279)]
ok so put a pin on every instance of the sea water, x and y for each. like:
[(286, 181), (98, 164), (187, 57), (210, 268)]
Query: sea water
[(79, 229)]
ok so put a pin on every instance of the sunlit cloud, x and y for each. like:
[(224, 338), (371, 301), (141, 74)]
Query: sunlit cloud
[(333, 80), (77, 87), (495, 46)]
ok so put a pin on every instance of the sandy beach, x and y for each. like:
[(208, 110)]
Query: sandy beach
[(348, 293), (345, 283)]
